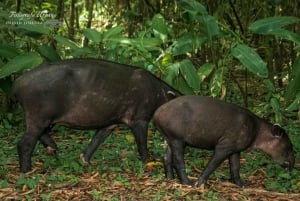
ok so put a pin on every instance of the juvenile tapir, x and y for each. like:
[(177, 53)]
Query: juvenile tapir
[(87, 94), (227, 129)]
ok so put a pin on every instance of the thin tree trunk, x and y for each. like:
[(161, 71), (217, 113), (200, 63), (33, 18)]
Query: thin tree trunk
[(72, 20), (90, 18)]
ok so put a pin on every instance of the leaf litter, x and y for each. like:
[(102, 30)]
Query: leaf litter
[(126, 183)]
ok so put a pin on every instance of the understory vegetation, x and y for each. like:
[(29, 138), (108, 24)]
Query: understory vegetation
[(116, 173)]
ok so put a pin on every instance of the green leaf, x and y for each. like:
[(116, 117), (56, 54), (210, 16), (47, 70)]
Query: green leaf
[(112, 33), (36, 28), (216, 84), (205, 70), (66, 42), (293, 87), (276, 108), (250, 59), (160, 27), (267, 25), (189, 73), (209, 25), (172, 73), (285, 175), (295, 104), (287, 35), (184, 75), (93, 35), (193, 7), (182, 85), (48, 52), (21, 62), (144, 43), (84, 52), (187, 43), (8, 51), (166, 60), (269, 84)]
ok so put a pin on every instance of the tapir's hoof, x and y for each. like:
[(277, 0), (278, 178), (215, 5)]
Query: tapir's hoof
[(83, 160), (148, 159), (51, 151), (188, 183), (25, 169), (199, 183), (238, 182)]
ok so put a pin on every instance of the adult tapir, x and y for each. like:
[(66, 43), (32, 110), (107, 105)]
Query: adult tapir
[(227, 129), (87, 94)]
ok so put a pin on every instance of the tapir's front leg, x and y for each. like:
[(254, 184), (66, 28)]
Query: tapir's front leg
[(218, 157)]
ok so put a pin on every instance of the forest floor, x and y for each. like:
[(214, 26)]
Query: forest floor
[(116, 173)]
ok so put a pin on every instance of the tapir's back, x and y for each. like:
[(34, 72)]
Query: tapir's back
[(205, 122)]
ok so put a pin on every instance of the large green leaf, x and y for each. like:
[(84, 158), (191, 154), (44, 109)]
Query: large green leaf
[(267, 25), (205, 70), (93, 35), (217, 81), (66, 42), (172, 73), (48, 52), (209, 25), (142, 43), (160, 27), (187, 43), (193, 7), (182, 86), (250, 59), (112, 33), (34, 30), (295, 104), (189, 73), (21, 62), (288, 35), (293, 87), (184, 76), (8, 51)]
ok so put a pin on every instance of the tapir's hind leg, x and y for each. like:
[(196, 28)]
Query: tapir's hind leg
[(98, 138), (49, 143), (177, 150), (168, 164)]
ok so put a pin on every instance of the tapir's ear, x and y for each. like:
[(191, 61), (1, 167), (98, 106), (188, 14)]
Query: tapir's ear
[(171, 94), (277, 131)]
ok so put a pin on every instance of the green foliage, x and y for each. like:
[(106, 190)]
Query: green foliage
[(279, 180), (293, 88), (191, 45), (274, 26), (21, 62), (250, 59), (48, 53)]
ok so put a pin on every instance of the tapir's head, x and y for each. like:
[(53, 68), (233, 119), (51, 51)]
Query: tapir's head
[(280, 148)]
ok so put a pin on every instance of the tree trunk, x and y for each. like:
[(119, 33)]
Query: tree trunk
[(90, 18), (72, 20)]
